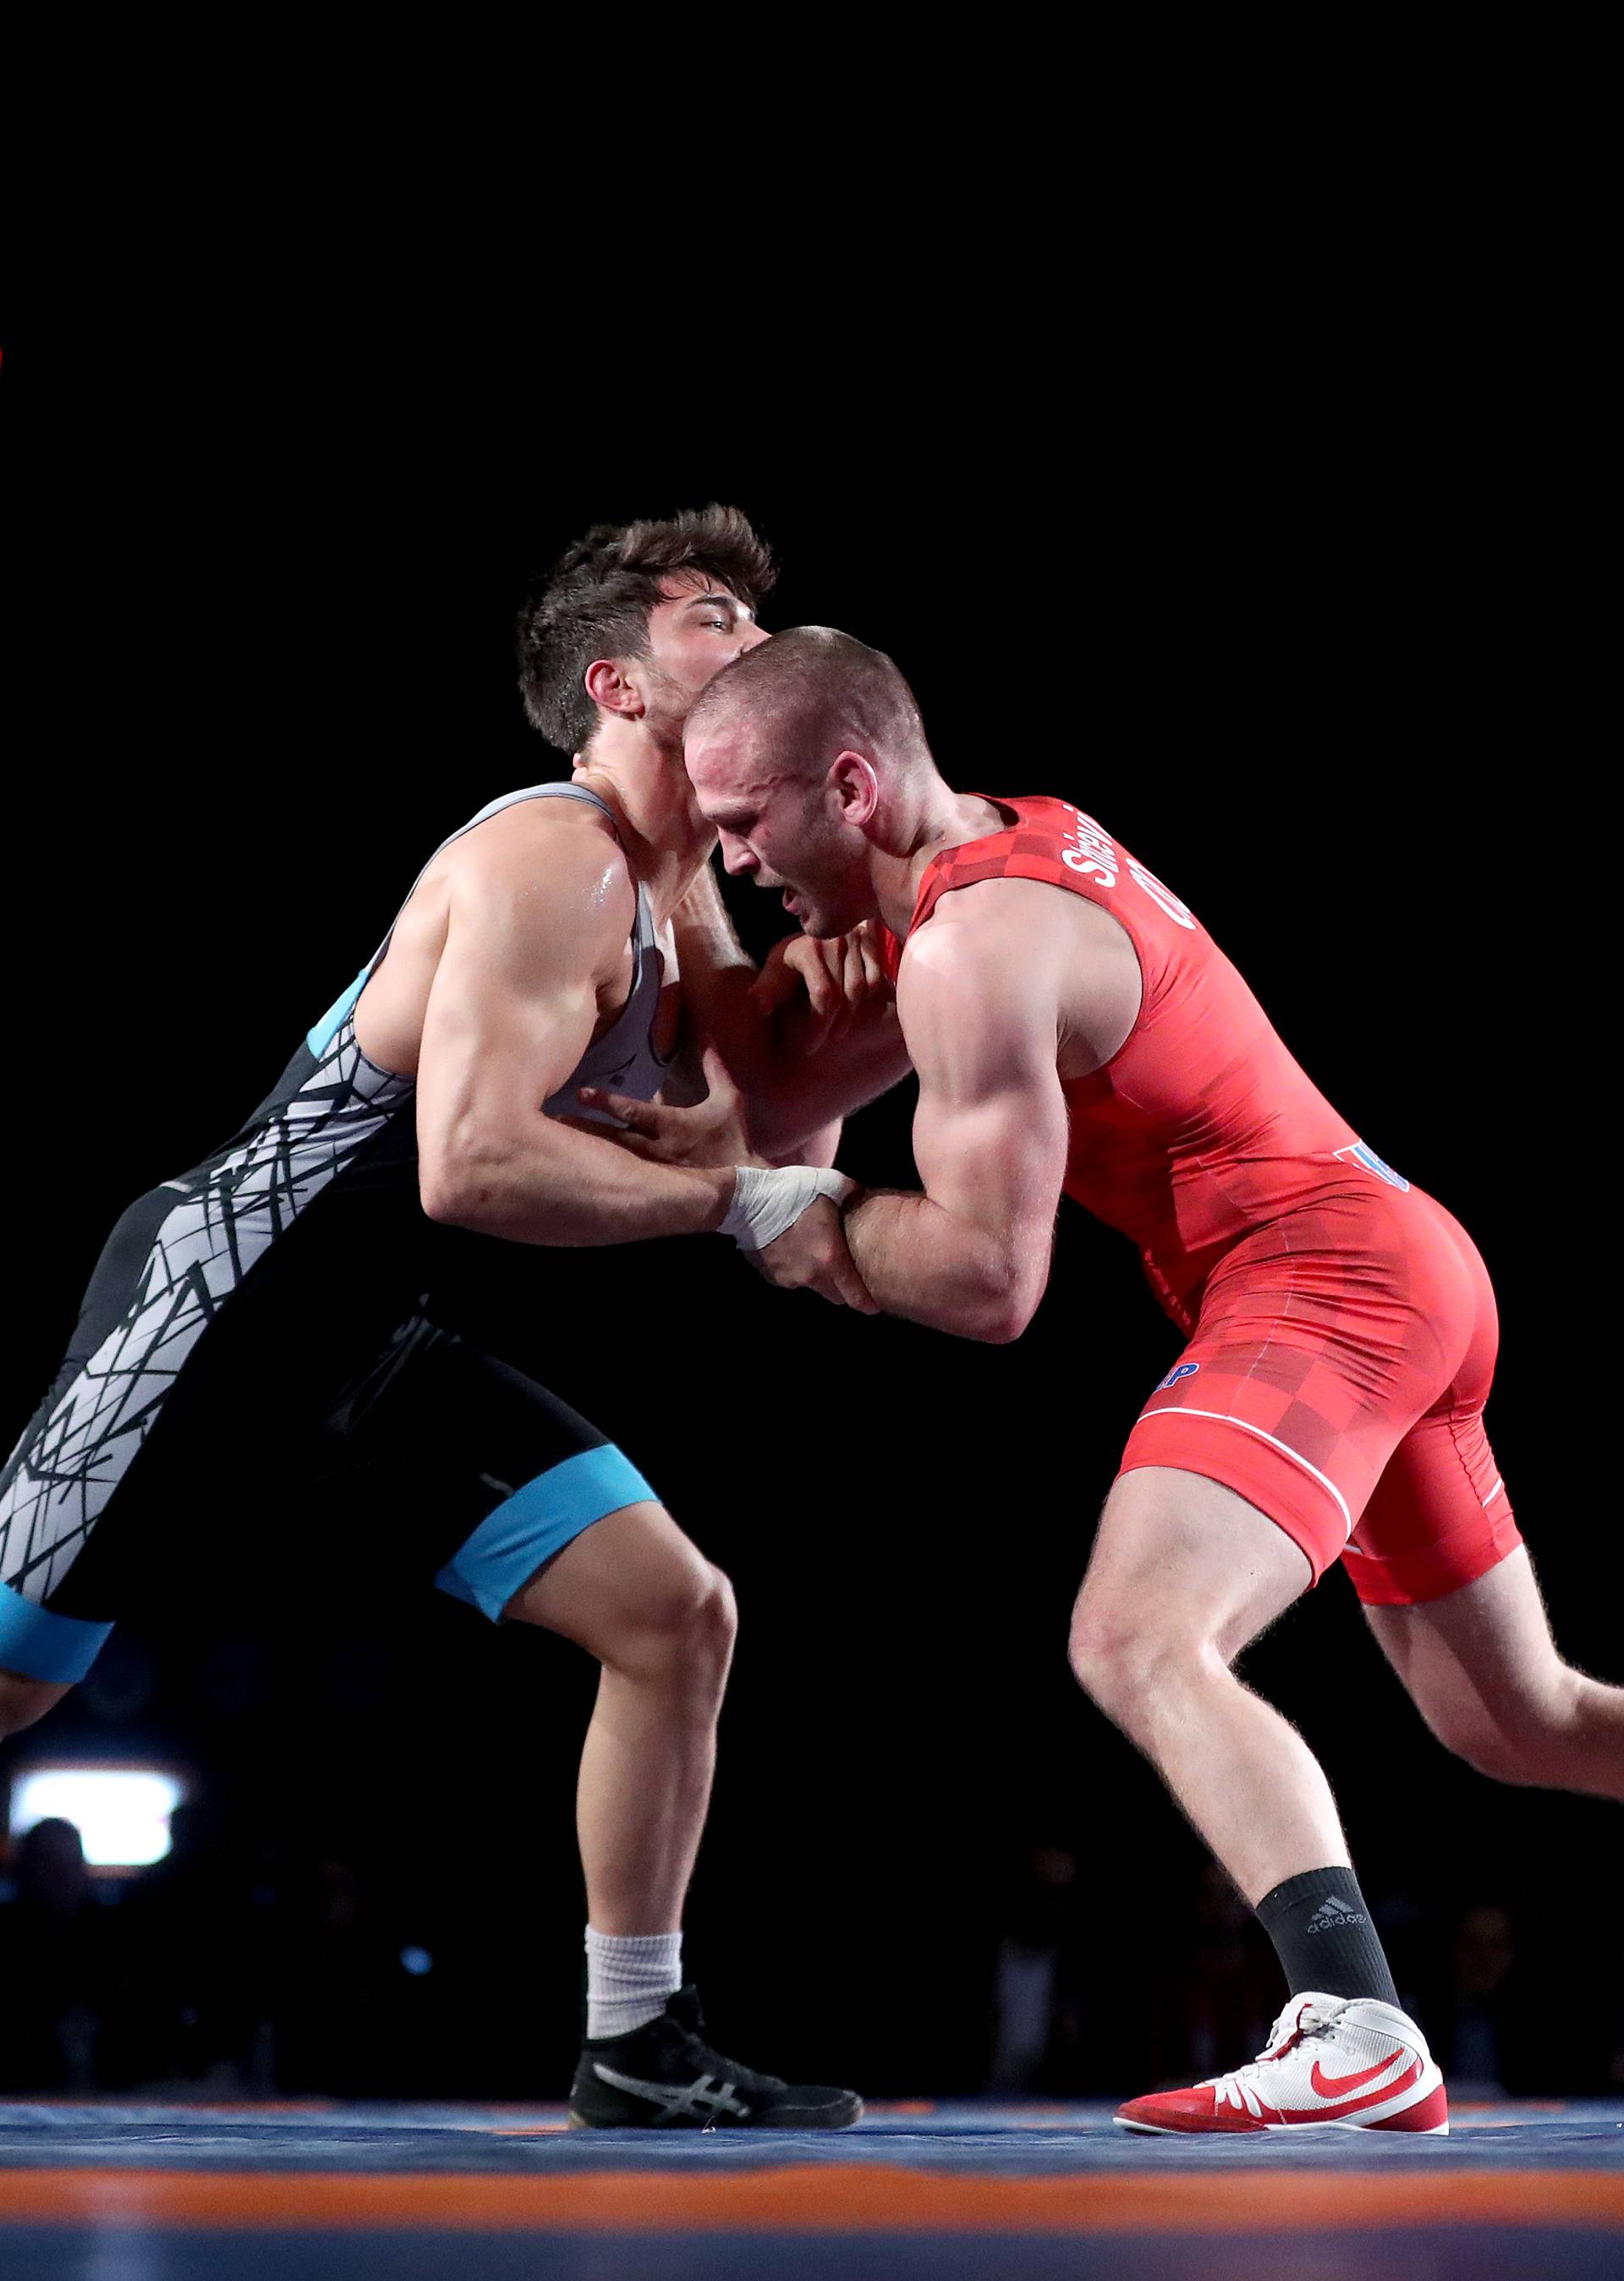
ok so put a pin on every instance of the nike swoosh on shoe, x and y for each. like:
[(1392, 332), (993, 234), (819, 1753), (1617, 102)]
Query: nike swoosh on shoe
[(1410, 2075), (1338, 2086)]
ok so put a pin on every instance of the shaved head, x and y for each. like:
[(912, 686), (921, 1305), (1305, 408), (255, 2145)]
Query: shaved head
[(809, 756), (804, 696)]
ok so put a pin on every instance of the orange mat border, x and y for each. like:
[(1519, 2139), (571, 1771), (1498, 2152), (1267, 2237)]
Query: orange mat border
[(833, 2198)]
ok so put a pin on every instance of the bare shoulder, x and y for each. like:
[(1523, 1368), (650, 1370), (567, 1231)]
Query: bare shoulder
[(1034, 955), (563, 840), (541, 866), (971, 988)]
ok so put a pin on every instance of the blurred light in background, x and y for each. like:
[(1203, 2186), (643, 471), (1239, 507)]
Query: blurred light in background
[(121, 1813)]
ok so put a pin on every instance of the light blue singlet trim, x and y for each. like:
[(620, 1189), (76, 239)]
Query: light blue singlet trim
[(327, 1028), (44, 1646), (539, 1520)]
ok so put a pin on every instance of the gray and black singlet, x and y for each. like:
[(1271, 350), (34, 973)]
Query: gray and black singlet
[(275, 1298)]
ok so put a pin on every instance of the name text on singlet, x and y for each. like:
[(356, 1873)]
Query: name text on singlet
[(1089, 849)]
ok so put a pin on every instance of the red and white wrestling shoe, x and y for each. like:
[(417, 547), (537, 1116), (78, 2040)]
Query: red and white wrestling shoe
[(1348, 2062)]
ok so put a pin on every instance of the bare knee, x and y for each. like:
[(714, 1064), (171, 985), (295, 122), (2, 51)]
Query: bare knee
[(1490, 1750), (1518, 1740), (709, 1618), (23, 1701), (683, 1629), (1123, 1662), (640, 1597)]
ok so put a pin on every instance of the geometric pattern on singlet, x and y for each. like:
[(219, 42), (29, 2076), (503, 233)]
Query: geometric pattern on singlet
[(226, 1214), (329, 1104)]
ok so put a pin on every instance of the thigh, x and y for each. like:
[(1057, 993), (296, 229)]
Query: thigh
[(75, 1451), (1322, 1340), (172, 1397), (1440, 1518), (196, 1424), (24, 1700), (483, 1477), (634, 1572), (1180, 1555), (1486, 1643)]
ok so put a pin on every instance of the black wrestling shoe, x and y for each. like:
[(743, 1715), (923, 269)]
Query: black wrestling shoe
[(665, 2077)]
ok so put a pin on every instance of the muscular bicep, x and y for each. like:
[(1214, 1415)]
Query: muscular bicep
[(991, 1131), (514, 1001), (996, 1159)]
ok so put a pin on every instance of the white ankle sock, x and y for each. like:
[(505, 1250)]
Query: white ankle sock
[(628, 1978)]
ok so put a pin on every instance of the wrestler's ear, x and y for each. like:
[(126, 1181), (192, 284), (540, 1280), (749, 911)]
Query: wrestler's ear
[(605, 683), (855, 787)]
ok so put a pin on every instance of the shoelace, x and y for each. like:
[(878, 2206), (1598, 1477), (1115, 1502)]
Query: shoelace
[(1294, 2025)]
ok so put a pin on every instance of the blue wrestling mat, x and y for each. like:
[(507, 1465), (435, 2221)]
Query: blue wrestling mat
[(920, 2191)]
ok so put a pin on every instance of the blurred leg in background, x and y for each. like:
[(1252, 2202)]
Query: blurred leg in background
[(1483, 1670)]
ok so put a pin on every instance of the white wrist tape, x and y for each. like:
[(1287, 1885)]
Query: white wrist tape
[(765, 1204)]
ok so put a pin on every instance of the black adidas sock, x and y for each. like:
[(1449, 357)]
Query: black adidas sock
[(1324, 1938)]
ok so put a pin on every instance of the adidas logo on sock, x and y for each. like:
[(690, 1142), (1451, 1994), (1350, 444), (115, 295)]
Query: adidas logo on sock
[(1332, 1913)]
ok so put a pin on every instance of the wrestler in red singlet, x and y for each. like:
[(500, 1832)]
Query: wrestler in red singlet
[(1341, 1324), (1340, 1328)]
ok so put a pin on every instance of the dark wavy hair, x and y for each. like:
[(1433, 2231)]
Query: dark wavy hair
[(597, 596)]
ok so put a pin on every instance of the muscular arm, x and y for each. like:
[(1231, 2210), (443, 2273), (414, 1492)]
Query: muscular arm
[(795, 1102), (510, 1011), (979, 1001)]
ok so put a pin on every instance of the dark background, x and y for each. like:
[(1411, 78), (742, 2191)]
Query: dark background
[(1296, 603)]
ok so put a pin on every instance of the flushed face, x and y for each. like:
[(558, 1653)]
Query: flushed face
[(781, 832)]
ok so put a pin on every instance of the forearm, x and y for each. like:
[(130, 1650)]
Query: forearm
[(920, 1262), (796, 1100), (557, 1185), (799, 1100)]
